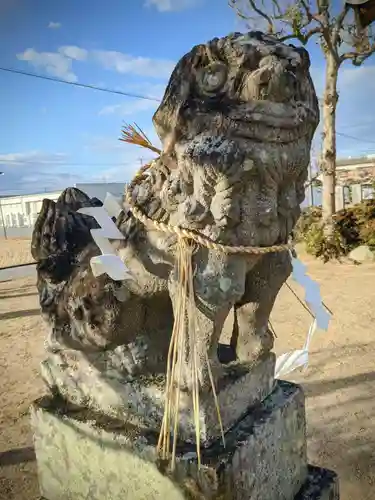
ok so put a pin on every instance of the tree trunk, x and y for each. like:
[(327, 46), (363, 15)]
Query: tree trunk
[(328, 160)]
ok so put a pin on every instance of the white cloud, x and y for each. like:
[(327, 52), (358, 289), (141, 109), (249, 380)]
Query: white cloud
[(60, 63), (127, 156), (352, 80), (122, 173), (102, 144), (359, 76), (54, 63), (32, 158), (126, 171), (151, 90), (355, 110), (129, 108), (54, 26), (35, 171), (73, 52), (171, 5), (317, 75), (141, 66)]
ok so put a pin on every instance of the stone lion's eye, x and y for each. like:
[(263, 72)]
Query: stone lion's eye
[(212, 78)]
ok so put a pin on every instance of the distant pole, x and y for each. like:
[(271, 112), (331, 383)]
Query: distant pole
[(2, 216), (311, 190), (2, 220)]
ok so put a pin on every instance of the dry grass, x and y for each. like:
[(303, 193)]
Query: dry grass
[(339, 385), (15, 251), (132, 134)]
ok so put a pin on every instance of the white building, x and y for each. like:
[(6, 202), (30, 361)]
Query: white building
[(19, 213), (355, 178)]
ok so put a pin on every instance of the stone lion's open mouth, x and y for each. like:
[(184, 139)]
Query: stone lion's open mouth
[(273, 114), (270, 121), (262, 132)]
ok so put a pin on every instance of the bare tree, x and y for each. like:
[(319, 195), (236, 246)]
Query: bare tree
[(343, 33)]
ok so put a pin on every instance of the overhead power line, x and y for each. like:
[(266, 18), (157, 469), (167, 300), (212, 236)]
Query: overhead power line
[(82, 85), (129, 94), (347, 136), (67, 164)]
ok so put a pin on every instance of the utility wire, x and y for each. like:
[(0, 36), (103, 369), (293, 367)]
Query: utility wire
[(347, 136), (129, 94), (68, 164), (83, 85)]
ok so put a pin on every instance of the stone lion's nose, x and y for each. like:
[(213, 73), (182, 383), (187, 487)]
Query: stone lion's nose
[(256, 84), (270, 79)]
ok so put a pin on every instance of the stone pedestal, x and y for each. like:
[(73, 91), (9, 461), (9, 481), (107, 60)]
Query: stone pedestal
[(91, 381), (81, 454)]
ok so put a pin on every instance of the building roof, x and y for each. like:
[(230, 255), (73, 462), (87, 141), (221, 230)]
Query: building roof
[(356, 161), (81, 185), (18, 195)]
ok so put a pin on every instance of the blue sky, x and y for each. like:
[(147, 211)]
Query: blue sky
[(53, 135)]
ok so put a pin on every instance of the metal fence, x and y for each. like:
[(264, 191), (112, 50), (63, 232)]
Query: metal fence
[(16, 232)]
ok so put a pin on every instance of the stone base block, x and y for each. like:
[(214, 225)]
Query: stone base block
[(83, 455), (321, 484), (87, 381)]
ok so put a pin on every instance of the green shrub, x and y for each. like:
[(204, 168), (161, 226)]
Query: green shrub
[(316, 244), (347, 225), (354, 226), (367, 233), (309, 216)]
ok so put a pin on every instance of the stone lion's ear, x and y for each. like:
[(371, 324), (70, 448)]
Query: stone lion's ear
[(177, 92), (305, 57)]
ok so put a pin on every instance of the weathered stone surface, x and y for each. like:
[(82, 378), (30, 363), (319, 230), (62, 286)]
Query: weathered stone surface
[(94, 381), (362, 253), (236, 124), (321, 484), (80, 455)]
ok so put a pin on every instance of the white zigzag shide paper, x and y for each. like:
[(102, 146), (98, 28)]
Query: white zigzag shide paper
[(292, 360), (108, 262)]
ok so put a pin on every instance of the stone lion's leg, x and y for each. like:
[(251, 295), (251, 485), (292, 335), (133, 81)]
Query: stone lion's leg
[(251, 335), (219, 282)]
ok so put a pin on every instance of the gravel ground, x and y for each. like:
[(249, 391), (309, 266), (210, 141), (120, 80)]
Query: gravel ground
[(14, 251), (339, 384)]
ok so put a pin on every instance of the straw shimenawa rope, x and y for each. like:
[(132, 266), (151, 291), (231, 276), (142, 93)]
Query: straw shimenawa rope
[(133, 136), (185, 324), (188, 233)]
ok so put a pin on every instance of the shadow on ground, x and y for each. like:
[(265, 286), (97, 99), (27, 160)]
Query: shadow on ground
[(341, 422), (20, 314), (17, 456)]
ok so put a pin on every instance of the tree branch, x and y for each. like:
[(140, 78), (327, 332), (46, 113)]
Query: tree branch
[(303, 37), (271, 28), (233, 5), (277, 7), (356, 57), (315, 181), (338, 25), (323, 18), (310, 15)]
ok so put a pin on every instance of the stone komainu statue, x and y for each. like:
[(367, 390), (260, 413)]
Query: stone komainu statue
[(236, 123)]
